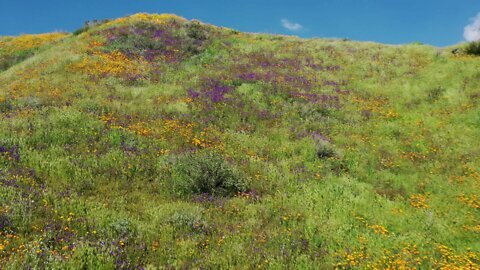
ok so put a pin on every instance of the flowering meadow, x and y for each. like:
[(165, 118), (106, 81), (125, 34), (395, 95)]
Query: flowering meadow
[(155, 142)]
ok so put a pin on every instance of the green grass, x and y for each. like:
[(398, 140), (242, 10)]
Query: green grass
[(217, 149)]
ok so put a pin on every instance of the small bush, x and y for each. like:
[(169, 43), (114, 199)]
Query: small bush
[(187, 221), (121, 228), (434, 94), (207, 172), (325, 150), (197, 31), (473, 48)]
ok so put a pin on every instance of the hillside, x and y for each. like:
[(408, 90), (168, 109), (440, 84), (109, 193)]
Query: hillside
[(154, 142)]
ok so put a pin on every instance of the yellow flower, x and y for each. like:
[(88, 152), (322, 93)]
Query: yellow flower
[(196, 142), (26, 42), (378, 229), (419, 201)]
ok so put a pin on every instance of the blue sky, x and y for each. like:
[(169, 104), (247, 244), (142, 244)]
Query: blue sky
[(436, 22)]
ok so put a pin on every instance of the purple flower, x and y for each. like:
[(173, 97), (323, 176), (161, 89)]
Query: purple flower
[(217, 94), (193, 94), (138, 31), (170, 41), (249, 76), (212, 90), (112, 38), (11, 152), (10, 183), (158, 33), (330, 83), (150, 55)]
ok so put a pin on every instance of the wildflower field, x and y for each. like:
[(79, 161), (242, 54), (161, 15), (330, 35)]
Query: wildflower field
[(154, 142)]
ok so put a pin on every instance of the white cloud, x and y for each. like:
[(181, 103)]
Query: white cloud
[(291, 26), (472, 31)]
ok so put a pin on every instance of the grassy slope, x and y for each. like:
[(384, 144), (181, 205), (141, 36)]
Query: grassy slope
[(90, 139)]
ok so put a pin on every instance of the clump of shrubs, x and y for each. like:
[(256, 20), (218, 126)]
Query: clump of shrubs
[(197, 31), (207, 173), (197, 34), (473, 48), (172, 42)]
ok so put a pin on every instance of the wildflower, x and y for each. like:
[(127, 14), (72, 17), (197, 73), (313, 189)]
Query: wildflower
[(472, 201), (377, 229), (28, 42), (196, 142), (155, 245), (193, 94), (418, 201)]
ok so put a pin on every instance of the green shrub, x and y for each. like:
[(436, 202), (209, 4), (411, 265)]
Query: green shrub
[(435, 93), (207, 172), (473, 48), (187, 221), (325, 150), (121, 228), (30, 102), (197, 31)]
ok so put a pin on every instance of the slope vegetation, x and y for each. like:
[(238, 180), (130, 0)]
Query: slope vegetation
[(154, 142)]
